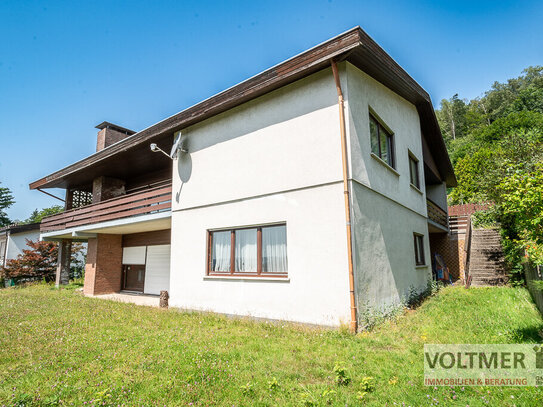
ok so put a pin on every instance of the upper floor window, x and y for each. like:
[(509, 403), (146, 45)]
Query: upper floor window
[(419, 249), (256, 251), (382, 141), (414, 171)]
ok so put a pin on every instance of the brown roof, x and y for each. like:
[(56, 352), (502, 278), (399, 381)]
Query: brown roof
[(15, 228), (131, 155)]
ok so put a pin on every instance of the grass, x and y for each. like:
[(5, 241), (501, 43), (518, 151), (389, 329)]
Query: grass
[(60, 348)]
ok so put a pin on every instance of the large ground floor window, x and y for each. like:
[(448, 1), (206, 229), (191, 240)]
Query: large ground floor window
[(253, 251)]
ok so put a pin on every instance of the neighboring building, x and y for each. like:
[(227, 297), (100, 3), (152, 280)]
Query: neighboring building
[(251, 219), (13, 240)]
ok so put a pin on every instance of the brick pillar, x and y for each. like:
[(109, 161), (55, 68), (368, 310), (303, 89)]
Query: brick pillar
[(104, 188), (63, 263), (103, 270)]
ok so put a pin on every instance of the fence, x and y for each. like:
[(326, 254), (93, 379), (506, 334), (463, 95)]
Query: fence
[(534, 281)]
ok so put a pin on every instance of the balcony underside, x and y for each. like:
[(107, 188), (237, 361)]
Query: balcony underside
[(134, 224)]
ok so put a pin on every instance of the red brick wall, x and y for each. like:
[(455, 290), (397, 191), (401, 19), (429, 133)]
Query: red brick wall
[(467, 209), (103, 271), (107, 137), (451, 248)]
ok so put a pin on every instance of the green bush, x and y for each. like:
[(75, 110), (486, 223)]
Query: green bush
[(487, 218)]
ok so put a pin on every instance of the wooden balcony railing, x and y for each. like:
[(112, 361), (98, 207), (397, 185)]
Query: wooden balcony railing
[(152, 200), (436, 214), (458, 224)]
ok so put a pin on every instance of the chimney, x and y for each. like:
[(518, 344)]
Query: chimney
[(110, 134)]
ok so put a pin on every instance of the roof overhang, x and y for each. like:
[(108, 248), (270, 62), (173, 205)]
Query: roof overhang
[(131, 155), (21, 228)]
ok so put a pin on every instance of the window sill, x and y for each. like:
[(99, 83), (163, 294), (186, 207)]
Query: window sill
[(384, 163), (416, 189), (421, 266), (249, 278)]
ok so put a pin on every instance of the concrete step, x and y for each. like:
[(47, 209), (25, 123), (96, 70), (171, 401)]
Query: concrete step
[(491, 269), (488, 281), (484, 267), (480, 264), (486, 273), (485, 237), (483, 251), (486, 259)]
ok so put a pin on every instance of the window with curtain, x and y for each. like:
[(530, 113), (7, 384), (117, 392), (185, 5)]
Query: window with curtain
[(382, 141), (220, 252), (256, 251)]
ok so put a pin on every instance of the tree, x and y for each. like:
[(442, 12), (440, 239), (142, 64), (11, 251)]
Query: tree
[(521, 203), (499, 158), (39, 261), (37, 215), (6, 200), (452, 118)]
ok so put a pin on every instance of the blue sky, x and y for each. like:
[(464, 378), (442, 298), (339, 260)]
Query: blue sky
[(67, 66)]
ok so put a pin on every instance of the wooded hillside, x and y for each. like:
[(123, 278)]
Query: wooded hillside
[(496, 145)]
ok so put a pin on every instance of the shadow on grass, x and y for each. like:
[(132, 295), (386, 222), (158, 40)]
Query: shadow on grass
[(528, 334)]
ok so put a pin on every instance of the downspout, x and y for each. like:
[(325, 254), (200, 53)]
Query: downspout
[(346, 194)]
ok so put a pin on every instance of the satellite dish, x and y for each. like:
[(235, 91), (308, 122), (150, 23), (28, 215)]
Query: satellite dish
[(176, 146)]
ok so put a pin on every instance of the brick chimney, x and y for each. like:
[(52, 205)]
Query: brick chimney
[(110, 134)]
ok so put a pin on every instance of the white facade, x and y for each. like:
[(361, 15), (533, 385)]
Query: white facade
[(277, 159), (387, 209), (15, 243)]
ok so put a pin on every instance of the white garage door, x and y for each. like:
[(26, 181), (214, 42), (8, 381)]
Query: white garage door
[(157, 269)]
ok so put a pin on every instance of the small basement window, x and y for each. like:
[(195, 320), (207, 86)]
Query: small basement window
[(255, 251), (414, 171), (382, 141), (419, 249)]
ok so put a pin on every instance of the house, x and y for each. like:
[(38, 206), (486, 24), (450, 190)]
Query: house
[(13, 240), (309, 192)]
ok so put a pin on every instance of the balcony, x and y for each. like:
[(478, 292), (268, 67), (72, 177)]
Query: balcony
[(143, 202), (437, 216)]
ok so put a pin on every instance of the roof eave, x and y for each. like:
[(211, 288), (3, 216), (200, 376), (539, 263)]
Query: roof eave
[(354, 45)]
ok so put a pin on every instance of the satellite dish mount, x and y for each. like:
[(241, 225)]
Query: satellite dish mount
[(176, 148)]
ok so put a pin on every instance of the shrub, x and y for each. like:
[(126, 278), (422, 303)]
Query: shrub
[(341, 375)]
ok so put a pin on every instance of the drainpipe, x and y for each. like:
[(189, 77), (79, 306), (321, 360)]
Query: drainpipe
[(353, 325)]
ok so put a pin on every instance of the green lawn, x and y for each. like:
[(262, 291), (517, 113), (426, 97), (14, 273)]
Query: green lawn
[(59, 348)]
